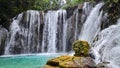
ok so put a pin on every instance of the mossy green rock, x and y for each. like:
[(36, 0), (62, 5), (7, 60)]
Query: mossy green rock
[(70, 62), (78, 62), (81, 48), (80, 59), (56, 61)]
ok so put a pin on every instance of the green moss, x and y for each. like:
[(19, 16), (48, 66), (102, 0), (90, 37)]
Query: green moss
[(81, 48), (56, 61), (71, 3)]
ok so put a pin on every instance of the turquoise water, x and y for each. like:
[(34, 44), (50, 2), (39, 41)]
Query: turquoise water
[(27, 61)]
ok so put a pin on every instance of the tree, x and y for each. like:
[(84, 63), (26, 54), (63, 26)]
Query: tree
[(10, 8)]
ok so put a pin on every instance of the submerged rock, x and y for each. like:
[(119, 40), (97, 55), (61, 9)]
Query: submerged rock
[(81, 48), (70, 62)]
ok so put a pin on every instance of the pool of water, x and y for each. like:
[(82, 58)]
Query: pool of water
[(26, 61)]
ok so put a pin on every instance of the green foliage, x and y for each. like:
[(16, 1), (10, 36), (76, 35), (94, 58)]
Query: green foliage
[(10, 8), (110, 1), (41, 4), (71, 3)]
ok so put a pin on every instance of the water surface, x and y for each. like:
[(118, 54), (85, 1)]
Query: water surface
[(25, 61)]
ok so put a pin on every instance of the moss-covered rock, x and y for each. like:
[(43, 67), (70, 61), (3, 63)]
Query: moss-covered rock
[(81, 48), (78, 62), (81, 58), (70, 62), (56, 61)]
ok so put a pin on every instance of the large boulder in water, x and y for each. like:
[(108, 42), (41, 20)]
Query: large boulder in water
[(70, 62), (81, 48), (78, 62), (81, 58)]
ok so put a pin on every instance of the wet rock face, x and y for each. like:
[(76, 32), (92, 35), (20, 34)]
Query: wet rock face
[(5, 23), (81, 48), (113, 11), (70, 11), (97, 1), (3, 38), (70, 62)]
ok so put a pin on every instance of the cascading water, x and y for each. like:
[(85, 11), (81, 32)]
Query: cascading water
[(50, 30), (35, 32), (13, 32), (87, 7), (3, 38), (91, 26), (23, 33), (107, 46)]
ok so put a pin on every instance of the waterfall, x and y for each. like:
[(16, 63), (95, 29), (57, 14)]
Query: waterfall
[(51, 30), (42, 32), (23, 33), (64, 32), (14, 30), (86, 10), (104, 44), (55, 30), (3, 38), (91, 26), (48, 32), (107, 46)]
